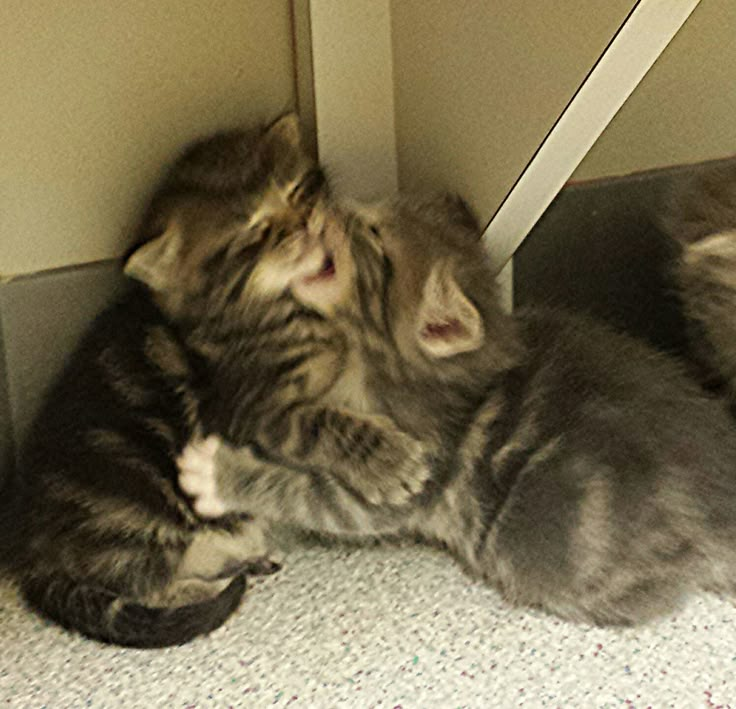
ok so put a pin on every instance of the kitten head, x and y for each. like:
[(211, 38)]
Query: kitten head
[(421, 276), (701, 205), (241, 219)]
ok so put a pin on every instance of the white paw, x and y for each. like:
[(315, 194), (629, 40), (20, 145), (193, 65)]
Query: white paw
[(409, 476), (397, 474), (197, 476), (415, 472)]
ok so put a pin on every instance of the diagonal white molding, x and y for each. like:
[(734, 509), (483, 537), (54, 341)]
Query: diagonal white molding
[(638, 43)]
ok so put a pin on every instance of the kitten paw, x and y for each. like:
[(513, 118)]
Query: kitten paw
[(197, 476), (409, 475), (415, 471), (397, 472)]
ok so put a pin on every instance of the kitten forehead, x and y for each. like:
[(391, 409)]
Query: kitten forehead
[(275, 201)]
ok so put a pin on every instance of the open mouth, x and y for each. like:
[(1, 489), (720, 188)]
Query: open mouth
[(326, 271)]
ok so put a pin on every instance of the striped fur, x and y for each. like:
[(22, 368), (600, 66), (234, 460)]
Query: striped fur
[(572, 467), (215, 340)]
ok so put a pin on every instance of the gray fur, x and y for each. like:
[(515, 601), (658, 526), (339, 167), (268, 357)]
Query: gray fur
[(572, 467)]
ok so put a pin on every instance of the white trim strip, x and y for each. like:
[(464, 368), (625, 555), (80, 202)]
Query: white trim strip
[(637, 45), (352, 72), (505, 281)]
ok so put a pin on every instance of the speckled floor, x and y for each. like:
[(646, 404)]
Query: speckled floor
[(380, 627)]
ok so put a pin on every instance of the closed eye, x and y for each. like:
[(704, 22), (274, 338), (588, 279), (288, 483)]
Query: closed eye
[(373, 237), (248, 244), (308, 187), (246, 252), (388, 270)]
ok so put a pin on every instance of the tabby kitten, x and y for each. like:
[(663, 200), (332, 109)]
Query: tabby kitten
[(234, 247), (701, 217), (572, 467)]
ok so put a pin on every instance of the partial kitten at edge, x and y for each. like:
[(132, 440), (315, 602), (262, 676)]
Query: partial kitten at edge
[(700, 215)]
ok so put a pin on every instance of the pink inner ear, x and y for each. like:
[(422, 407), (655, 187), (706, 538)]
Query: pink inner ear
[(443, 330)]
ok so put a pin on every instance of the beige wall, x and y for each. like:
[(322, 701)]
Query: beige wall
[(478, 85), (96, 97), (684, 110)]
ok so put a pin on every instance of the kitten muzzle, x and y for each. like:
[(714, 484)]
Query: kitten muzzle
[(325, 273)]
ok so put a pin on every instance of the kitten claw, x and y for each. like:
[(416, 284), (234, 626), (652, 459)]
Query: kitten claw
[(408, 477), (262, 567), (412, 475), (197, 476)]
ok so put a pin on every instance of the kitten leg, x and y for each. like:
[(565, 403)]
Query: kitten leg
[(216, 554), (237, 480), (368, 453)]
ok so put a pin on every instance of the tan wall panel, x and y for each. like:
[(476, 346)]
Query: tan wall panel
[(684, 110), (479, 84), (96, 97)]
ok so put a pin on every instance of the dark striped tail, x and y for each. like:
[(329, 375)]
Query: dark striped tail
[(92, 611)]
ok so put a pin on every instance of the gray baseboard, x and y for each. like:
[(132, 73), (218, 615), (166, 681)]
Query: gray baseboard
[(6, 427), (43, 315)]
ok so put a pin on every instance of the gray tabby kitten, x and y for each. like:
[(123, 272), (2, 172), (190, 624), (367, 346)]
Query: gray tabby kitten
[(701, 217), (573, 468), (236, 244)]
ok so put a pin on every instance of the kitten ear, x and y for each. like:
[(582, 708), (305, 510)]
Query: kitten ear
[(448, 322), (459, 212), (285, 130), (155, 262)]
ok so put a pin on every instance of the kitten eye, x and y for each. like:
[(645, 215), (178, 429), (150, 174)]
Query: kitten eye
[(308, 187), (248, 244), (265, 230), (373, 239), (388, 270)]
